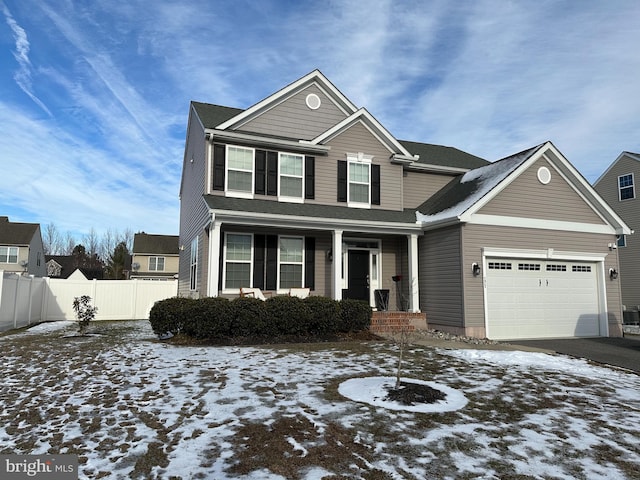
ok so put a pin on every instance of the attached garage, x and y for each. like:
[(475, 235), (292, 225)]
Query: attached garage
[(535, 298)]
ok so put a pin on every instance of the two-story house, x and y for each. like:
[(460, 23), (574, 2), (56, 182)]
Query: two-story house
[(155, 257), (21, 248), (305, 189), (617, 186)]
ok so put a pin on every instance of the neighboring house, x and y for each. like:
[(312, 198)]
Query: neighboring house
[(155, 257), (618, 187), (304, 189), (21, 248), (63, 266)]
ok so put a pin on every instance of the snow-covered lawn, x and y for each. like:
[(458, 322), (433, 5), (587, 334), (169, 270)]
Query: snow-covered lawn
[(132, 407)]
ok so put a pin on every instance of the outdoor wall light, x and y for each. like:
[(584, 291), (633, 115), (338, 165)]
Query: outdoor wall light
[(613, 273), (475, 269), (329, 255)]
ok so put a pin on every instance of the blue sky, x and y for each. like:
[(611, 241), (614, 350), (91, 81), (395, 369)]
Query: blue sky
[(94, 95)]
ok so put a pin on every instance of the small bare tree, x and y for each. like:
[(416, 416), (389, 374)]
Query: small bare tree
[(85, 312), (402, 339)]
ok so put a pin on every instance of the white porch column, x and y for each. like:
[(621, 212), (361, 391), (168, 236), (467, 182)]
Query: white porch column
[(214, 258), (414, 293), (337, 264)]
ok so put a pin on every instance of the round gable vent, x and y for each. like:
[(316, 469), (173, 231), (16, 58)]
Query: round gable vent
[(544, 175), (313, 101)]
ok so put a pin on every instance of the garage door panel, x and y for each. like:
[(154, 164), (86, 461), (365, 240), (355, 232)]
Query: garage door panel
[(541, 299)]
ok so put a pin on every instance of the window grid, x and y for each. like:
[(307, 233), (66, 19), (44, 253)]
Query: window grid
[(238, 258), (291, 175), (291, 256), (581, 268), (556, 268), (239, 169), (156, 264), (499, 266), (9, 254), (359, 182), (626, 187), (529, 266)]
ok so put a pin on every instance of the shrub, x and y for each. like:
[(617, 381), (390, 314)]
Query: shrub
[(248, 317), (355, 315), (325, 315), (287, 316), (168, 316), (210, 317)]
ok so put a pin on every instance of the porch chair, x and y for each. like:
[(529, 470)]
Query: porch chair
[(299, 292), (252, 292)]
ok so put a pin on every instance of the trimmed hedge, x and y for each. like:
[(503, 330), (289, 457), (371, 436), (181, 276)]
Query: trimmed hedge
[(218, 318)]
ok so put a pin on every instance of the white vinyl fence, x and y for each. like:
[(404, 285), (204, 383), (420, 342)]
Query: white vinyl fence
[(27, 300)]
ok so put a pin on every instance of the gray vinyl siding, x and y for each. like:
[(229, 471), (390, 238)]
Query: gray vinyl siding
[(527, 197), (292, 118), (476, 237), (193, 211), (441, 296), (419, 186), (629, 211), (358, 139), (395, 262)]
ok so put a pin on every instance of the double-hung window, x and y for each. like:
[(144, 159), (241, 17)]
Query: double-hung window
[(626, 187), (291, 172), (359, 182), (239, 173), (291, 262), (238, 260), (193, 265), (156, 264), (8, 254)]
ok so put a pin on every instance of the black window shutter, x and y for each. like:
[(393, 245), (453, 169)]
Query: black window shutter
[(309, 262), (261, 172), (342, 181), (309, 177), (258, 261), (219, 152), (272, 173), (375, 184), (272, 263)]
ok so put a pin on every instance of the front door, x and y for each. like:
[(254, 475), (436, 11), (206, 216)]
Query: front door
[(358, 268)]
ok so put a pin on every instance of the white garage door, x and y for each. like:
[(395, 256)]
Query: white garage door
[(541, 299)]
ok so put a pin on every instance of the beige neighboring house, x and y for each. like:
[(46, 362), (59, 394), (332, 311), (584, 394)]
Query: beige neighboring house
[(304, 189), (21, 248), (155, 257), (618, 187)]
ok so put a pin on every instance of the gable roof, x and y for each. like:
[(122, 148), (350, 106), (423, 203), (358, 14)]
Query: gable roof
[(315, 77), (14, 233), (631, 155), (212, 115), (468, 193), (148, 244)]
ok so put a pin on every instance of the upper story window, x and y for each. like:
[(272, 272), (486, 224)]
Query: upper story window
[(291, 172), (626, 187), (156, 264), (359, 182), (239, 172), (8, 254)]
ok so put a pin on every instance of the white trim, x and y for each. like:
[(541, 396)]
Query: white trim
[(213, 286), (538, 223), (358, 159), (279, 289), (336, 264), (374, 127), (267, 142), (286, 198), (315, 77)]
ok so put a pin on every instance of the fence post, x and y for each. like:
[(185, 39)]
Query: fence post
[(30, 299), (134, 299), (15, 304)]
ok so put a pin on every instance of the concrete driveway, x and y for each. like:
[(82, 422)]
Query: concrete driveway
[(619, 352)]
